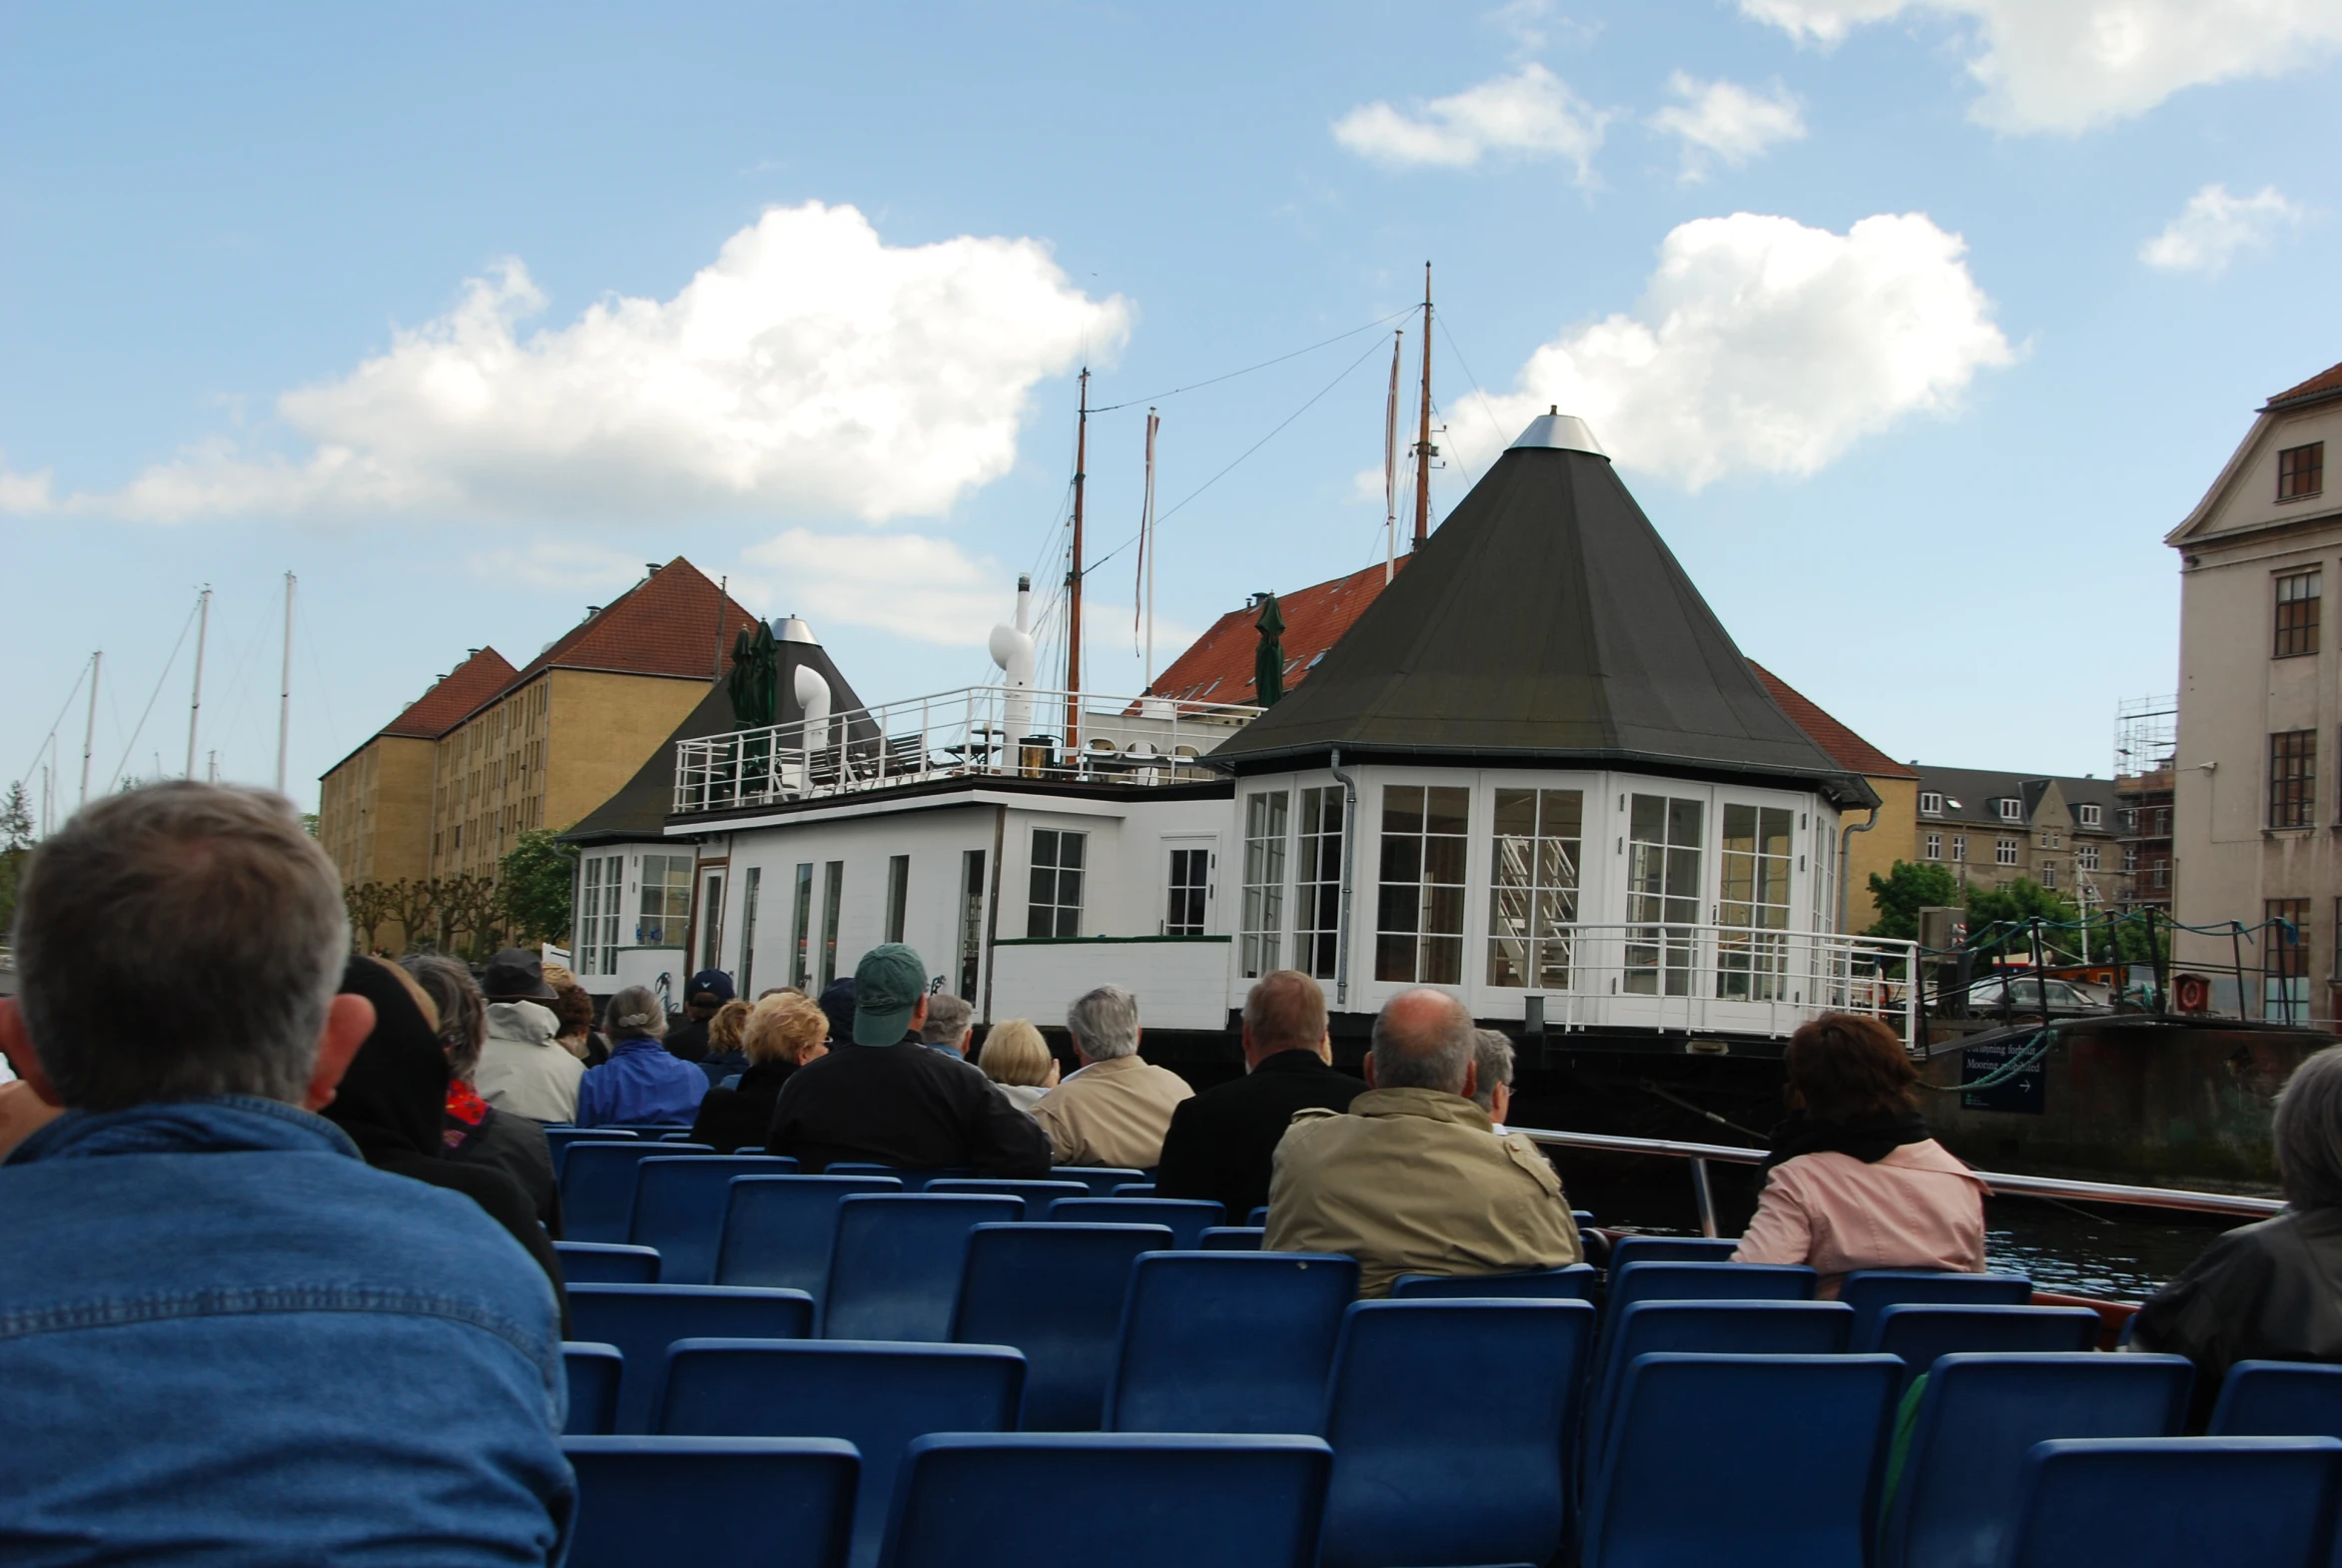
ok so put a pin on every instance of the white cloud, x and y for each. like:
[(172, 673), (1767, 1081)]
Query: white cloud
[(1761, 346), (1530, 114), (2214, 226), (23, 492), (566, 565), (916, 587), (810, 369), (2069, 65), (1728, 122)]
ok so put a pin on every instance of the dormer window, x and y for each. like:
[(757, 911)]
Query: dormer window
[(1931, 803), (2301, 472), (2091, 816), (2011, 809)]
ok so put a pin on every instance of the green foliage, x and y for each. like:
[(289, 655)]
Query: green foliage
[(533, 888), (2022, 900), (16, 843), (1907, 889)]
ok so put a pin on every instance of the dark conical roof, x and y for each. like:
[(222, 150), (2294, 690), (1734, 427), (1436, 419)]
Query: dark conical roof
[(1545, 621)]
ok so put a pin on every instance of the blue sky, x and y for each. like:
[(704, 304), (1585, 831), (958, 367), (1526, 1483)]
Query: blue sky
[(1914, 327)]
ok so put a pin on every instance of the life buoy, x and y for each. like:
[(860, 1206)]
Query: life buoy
[(2192, 993)]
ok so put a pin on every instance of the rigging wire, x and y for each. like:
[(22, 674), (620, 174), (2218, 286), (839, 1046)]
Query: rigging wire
[(148, 711), (63, 708), (1487, 410), (1263, 365)]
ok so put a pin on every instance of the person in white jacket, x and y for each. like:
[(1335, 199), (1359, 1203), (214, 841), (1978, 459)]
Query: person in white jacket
[(523, 1068)]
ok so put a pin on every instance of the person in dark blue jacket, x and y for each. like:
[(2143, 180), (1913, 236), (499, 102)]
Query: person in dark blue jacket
[(223, 1337), (640, 1082)]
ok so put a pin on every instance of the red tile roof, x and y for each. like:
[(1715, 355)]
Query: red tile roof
[(1217, 666), (665, 624), (2326, 384), (458, 692), (1849, 750)]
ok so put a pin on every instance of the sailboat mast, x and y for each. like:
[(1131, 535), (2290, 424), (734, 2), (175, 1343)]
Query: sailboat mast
[(194, 704), (89, 733), (1398, 347), (1147, 549), (285, 689), (1424, 452), (1074, 577)]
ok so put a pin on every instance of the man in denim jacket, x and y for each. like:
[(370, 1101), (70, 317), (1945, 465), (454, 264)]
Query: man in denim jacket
[(223, 1337)]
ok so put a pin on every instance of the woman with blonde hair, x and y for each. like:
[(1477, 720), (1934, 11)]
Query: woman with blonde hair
[(1018, 1062), (779, 1034)]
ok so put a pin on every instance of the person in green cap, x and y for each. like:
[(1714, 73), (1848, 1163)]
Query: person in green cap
[(887, 1098)]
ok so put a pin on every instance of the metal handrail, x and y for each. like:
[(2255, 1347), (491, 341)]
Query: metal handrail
[(1997, 1181)]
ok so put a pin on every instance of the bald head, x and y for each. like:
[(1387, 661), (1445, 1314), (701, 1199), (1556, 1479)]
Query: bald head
[(1423, 1039)]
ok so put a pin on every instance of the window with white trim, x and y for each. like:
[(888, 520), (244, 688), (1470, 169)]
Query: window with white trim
[(1420, 915), (602, 885), (2004, 852), (2011, 808), (2091, 816), (1261, 938), (1960, 847), (1317, 933), (1054, 906), (2086, 855), (1533, 886), (666, 900), (1935, 846), (1931, 803)]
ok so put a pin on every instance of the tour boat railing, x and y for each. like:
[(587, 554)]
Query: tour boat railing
[(974, 732), (1701, 1155)]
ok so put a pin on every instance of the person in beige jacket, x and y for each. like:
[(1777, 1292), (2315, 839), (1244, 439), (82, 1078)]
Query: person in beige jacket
[(1413, 1179), (1114, 1111)]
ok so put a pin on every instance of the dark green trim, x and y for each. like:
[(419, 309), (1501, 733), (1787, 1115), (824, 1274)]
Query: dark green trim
[(1067, 942)]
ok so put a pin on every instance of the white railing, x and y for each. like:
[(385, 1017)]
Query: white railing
[(1736, 979), (975, 732)]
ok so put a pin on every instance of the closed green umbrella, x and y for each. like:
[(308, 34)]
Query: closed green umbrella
[(1269, 657)]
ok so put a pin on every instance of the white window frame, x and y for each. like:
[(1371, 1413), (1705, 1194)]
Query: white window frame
[(1065, 917), (2011, 808), (1931, 803), (2091, 816), (2004, 852), (1267, 827), (1935, 846)]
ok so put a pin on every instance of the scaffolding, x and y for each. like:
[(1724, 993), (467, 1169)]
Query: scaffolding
[(2146, 734)]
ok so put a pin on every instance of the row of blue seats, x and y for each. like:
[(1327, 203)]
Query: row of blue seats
[(2026, 1460)]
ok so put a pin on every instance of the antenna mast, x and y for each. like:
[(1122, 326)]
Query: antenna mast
[(1073, 578), (89, 733), (285, 689), (1424, 450), (194, 704)]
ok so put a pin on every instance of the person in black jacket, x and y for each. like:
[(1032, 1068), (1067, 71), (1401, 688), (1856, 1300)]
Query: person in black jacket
[(1221, 1142), (476, 1132), (783, 1033), (885, 1096)]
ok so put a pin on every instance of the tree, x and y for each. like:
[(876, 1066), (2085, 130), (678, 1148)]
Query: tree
[(16, 842), (1907, 889), (2014, 908), (534, 883), (468, 904), (416, 905), (368, 904)]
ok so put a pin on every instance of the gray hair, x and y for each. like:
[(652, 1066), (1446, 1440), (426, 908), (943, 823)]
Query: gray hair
[(946, 1019), (464, 1017), (2308, 1132), (636, 1013), (178, 942), (1423, 1051), (1285, 1011), (1493, 1053), (1104, 1022)]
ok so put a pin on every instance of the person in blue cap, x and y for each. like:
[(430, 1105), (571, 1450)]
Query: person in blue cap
[(883, 1096)]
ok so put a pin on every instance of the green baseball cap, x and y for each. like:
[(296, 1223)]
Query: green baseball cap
[(888, 984)]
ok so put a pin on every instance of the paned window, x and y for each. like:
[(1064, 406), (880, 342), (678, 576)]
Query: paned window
[(1754, 861), (833, 894), (1662, 891), (2011, 808), (1533, 886), (2129, 859), (2004, 852), (2293, 778), (1420, 917), (666, 900), (801, 926), (2298, 604), (2301, 470), (602, 886), (2086, 855), (2092, 816), (1960, 847), (711, 921), (751, 885), (1935, 846), (1054, 905), (1317, 933), (2049, 874), (1931, 803), (1263, 912), (971, 919), (1186, 890), (2285, 979), (898, 895)]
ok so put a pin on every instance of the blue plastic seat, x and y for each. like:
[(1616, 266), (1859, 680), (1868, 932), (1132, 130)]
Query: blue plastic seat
[(1035, 1196), (1231, 1238), (1454, 1425), (559, 1140), (680, 1202), (642, 1320), (598, 1185), (1101, 1179), (1028, 1501), (895, 1273), (914, 1181), (608, 1263), (1228, 1342), (1978, 1418), (1670, 1250), (1706, 1329), (712, 1502), (1259, 1216), (1572, 1283), (1921, 1333), (1870, 1291), (2279, 1399), (1189, 1217), (2178, 1502), (1056, 1292), (1132, 1189), (779, 1231), (593, 1372), (877, 1397), (1634, 1282), (1754, 1460)]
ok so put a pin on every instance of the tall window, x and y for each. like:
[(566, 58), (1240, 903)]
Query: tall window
[(1533, 886), (2049, 875), (2286, 938), (2297, 613), (1186, 889), (1263, 912), (1663, 890), (1317, 933), (1960, 847), (898, 895), (1420, 917), (1054, 908), (1753, 867), (666, 900), (711, 922), (752, 883), (833, 894), (2004, 852), (2293, 778), (2086, 855), (971, 919), (801, 926), (602, 885), (2301, 470), (1935, 846)]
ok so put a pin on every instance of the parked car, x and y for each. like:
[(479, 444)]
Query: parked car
[(2031, 996)]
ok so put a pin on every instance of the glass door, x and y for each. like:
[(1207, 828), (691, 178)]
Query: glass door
[(1664, 834), (1753, 866)]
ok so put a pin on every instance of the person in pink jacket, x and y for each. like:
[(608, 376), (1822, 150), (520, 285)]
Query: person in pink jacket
[(1853, 1180)]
